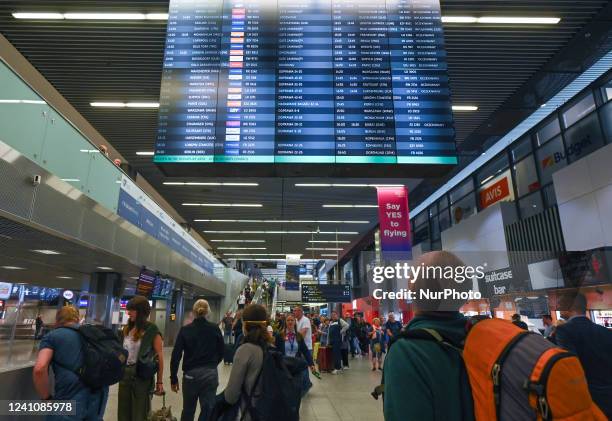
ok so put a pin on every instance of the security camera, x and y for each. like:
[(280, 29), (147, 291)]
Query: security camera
[(36, 179)]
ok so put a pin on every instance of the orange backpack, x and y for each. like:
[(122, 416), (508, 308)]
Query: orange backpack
[(519, 375)]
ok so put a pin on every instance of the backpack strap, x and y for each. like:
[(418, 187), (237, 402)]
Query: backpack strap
[(429, 335)]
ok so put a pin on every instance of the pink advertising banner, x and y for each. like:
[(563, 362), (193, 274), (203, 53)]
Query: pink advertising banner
[(393, 214)]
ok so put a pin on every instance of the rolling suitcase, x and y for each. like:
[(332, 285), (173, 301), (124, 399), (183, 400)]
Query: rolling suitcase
[(228, 354), (324, 358)]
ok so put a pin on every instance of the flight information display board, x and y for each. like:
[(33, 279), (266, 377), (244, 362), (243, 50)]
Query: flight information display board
[(305, 81), (326, 293)]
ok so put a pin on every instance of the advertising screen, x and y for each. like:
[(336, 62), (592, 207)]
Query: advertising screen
[(308, 81)]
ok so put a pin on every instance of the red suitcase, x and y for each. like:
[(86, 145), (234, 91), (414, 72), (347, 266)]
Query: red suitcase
[(324, 359)]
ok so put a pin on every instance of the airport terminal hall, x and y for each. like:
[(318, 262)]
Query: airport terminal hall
[(306, 210)]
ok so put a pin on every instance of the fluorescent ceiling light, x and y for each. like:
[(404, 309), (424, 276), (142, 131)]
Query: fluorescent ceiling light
[(330, 241), (283, 232), (197, 183), (328, 255), (108, 104), (157, 16), (237, 241), (242, 248), (459, 19), (105, 16), (519, 20), (90, 16), (324, 249), (226, 205), (37, 15), (49, 252), (465, 108), (104, 268), (142, 104), (350, 206), (278, 221), (12, 268), (254, 254), (346, 185), (515, 20), (113, 104), (89, 150), (64, 277), (74, 180), (145, 153)]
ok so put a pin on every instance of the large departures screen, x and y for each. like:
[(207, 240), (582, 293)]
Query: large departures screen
[(305, 81)]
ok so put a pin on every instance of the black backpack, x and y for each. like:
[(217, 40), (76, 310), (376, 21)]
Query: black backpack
[(281, 388), (104, 357)]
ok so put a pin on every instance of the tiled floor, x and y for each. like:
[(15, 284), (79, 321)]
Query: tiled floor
[(344, 397)]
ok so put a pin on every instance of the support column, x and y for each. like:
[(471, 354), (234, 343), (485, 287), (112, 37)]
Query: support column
[(105, 289)]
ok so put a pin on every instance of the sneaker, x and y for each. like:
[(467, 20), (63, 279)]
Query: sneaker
[(345, 368), (334, 372)]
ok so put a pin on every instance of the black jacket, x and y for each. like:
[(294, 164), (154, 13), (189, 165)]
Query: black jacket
[(201, 343), (593, 346)]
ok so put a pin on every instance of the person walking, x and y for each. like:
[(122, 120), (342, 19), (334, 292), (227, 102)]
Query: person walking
[(143, 341), (60, 349), (291, 343), (377, 343), (39, 325), (201, 345), (337, 328), (228, 322), (237, 328), (592, 344), (242, 300), (248, 360)]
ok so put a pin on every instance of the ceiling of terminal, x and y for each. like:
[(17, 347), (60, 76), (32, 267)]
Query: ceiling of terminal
[(90, 61)]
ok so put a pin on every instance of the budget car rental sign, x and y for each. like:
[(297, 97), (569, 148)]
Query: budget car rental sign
[(394, 222)]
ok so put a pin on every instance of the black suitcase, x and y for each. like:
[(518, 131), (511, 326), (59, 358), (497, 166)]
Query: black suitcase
[(228, 354)]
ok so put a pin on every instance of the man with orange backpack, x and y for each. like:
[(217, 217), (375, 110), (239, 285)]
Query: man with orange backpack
[(444, 368), (423, 380)]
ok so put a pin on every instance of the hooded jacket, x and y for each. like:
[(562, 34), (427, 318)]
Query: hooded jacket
[(426, 381)]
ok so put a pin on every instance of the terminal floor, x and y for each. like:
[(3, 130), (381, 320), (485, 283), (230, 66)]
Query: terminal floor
[(342, 397)]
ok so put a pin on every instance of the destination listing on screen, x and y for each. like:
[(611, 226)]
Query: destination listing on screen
[(305, 81)]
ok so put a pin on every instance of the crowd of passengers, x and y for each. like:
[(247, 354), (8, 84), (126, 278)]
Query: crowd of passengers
[(422, 381)]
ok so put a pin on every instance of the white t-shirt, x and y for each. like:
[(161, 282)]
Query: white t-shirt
[(133, 348), (241, 299), (304, 322)]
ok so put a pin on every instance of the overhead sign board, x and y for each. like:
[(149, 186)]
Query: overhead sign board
[(326, 293)]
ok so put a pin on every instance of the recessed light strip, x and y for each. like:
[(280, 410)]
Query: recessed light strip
[(282, 232), (102, 104), (345, 185), (237, 241), (504, 20), (350, 206), (275, 221), (197, 183), (330, 241), (90, 16), (226, 205)]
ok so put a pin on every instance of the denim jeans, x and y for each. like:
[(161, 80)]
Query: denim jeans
[(227, 337), (199, 384), (90, 406)]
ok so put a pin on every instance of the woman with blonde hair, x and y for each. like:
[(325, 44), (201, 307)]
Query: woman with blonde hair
[(291, 343), (200, 344), (144, 344)]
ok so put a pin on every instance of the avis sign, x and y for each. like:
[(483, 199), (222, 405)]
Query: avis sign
[(393, 215), (495, 192)]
